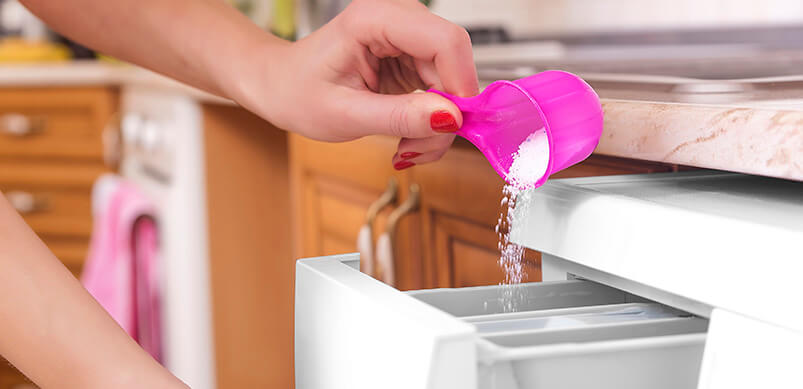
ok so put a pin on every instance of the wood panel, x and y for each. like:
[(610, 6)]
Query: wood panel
[(333, 186), (252, 268), (467, 254), (70, 119)]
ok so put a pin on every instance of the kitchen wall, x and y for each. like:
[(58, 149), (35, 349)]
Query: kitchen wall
[(528, 17)]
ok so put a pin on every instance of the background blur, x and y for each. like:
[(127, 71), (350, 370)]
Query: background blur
[(90, 146)]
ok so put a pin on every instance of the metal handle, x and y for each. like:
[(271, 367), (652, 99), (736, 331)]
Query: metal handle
[(27, 203), (19, 125), (386, 264), (389, 197), (410, 205)]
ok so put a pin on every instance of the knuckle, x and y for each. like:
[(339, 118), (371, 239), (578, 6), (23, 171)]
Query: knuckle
[(399, 124), (458, 36)]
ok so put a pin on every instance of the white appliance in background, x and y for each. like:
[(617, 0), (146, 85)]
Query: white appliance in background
[(526, 18), (162, 152), (668, 281)]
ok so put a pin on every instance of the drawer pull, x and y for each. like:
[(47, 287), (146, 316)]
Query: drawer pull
[(365, 241), (19, 125), (27, 203), (409, 205), (388, 197), (386, 246)]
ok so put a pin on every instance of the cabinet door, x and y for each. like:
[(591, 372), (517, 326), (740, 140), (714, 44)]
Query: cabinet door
[(333, 185), (461, 197)]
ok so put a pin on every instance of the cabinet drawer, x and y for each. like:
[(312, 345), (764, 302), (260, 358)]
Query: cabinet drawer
[(43, 174), (54, 122), (346, 319), (53, 212)]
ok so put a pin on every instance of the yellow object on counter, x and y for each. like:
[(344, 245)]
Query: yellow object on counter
[(284, 19), (15, 50)]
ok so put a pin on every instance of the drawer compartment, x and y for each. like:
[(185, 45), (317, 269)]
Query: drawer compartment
[(656, 354), (492, 299), (571, 317), (355, 332)]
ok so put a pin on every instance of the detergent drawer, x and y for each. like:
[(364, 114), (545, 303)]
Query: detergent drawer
[(353, 331)]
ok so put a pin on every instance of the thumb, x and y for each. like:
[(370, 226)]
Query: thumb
[(411, 115)]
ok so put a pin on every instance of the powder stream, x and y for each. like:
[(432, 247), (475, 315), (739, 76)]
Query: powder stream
[(529, 165)]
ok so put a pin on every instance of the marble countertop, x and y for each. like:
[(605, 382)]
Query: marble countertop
[(756, 133)]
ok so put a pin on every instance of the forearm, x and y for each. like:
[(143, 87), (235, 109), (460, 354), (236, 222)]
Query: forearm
[(204, 43), (53, 330)]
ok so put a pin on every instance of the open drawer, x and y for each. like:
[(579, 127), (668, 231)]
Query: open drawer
[(695, 285), (353, 331)]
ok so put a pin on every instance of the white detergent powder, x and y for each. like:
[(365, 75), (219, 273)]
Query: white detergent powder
[(529, 165)]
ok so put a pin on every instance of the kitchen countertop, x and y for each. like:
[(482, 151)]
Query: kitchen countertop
[(88, 73), (759, 134)]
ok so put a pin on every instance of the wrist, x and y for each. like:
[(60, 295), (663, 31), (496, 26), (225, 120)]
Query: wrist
[(261, 72)]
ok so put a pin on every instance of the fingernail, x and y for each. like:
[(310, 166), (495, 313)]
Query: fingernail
[(443, 121), (409, 154), (401, 165)]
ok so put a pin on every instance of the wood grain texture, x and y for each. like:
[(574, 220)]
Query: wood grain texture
[(72, 121), (252, 268)]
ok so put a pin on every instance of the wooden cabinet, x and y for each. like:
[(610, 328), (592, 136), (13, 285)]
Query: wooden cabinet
[(50, 154), (450, 241), (251, 266)]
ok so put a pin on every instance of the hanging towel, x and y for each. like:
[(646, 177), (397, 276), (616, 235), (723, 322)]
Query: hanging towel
[(122, 268)]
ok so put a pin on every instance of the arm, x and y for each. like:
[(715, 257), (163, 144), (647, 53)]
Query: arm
[(332, 86), (53, 330)]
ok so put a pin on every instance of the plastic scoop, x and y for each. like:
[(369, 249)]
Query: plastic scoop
[(500, 118)]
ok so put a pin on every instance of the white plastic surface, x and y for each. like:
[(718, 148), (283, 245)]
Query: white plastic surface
[(743, 353), (484, 300), (724, 240), (571, 317), (661, 354), (354, 332)]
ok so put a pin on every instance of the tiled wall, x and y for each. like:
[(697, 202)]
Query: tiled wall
[(558, 16)]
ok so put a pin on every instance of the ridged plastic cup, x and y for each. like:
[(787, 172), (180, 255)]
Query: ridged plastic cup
[(499, 119)]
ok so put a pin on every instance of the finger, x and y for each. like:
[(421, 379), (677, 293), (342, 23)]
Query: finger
[(432, 156), (409, 148), (419, 33), (411, 115)]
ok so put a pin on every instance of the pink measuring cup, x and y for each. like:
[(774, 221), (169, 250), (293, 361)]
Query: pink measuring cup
[(501, 117)]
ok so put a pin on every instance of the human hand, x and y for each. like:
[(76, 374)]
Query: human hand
[(355, 77)]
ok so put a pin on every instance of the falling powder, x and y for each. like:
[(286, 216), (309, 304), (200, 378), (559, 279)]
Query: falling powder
[(529, 165)]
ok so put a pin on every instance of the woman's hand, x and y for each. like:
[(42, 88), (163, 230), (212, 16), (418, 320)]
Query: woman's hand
[(355, 77)]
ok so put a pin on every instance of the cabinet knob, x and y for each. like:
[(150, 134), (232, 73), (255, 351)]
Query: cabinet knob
[(19, 125), (27, 203)]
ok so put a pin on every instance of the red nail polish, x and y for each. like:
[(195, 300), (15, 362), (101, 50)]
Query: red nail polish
[(409, 154), (401, 165), (443, 121)]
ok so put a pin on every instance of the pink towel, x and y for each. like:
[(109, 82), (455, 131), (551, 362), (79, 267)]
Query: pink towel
[(122, 269)]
